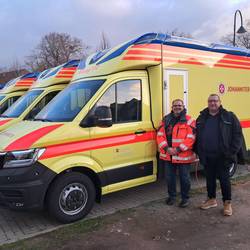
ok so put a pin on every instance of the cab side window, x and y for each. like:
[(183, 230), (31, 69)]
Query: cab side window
[(128, 101), (124, 100), (108, 99)]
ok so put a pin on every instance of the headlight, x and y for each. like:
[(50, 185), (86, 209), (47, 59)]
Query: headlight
[(22, 158)]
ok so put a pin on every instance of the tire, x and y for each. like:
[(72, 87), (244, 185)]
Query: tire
[(71, 197), (232, 169)]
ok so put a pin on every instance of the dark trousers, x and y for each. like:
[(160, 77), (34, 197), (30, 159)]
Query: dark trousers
[(215, 167), (185, 182)]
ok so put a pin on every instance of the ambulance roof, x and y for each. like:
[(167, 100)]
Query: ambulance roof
[(20, 83), (60, 74), (114, 60)]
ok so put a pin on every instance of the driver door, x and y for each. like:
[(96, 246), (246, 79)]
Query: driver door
[(126, 150)]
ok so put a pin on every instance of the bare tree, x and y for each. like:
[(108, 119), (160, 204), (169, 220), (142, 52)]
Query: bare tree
[(241, 40), (16, 68), (104, 42), (55, 49), (176, 32)]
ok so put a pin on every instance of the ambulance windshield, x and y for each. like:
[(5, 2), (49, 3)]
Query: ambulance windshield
[(68, 103), (23, 103)]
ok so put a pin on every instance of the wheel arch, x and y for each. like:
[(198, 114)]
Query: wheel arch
[(83, 170)]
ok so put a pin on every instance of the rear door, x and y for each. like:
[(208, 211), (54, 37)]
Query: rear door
[(175, 87)]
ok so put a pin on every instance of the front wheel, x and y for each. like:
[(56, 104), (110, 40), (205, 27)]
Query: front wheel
[(71, 197), (232, 169)]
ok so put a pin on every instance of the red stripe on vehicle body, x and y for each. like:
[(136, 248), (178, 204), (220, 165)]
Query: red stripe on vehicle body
[(71, 68), (141, 58), (66, 76), (20, 83), (68, 69), (23, 84), (66, 72), (26, 141), (92, 144), (209, 60), (147, 46), (4, 121), (231, 67), (25, 81), (136, 54), (201, 63), (224, 60), (183, 61), (144, 52), (240, 58), (180, 50), (245, 124)]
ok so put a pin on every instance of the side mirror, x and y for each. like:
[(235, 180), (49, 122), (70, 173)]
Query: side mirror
[(103, 116)]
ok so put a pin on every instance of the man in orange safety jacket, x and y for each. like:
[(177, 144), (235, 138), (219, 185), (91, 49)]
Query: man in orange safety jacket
[(175, 139)]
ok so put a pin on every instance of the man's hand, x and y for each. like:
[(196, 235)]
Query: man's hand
[(172, 151)]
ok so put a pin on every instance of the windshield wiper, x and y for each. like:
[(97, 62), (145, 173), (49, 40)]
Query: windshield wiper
[(4, 116), (42, 120)]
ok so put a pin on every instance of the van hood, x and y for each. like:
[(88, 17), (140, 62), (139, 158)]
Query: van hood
[(25, 135), (4, 121)]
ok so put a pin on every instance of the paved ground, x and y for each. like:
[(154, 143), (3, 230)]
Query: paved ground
[(19, 225)]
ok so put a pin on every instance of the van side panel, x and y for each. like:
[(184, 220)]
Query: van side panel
[(207, 74)]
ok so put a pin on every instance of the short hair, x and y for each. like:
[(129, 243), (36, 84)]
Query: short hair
[(214, 95), (177, 100)]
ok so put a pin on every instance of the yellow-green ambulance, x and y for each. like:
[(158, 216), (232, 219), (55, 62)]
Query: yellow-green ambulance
[(14, 89), (43, 90)]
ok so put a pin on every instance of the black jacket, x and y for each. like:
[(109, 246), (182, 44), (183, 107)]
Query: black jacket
[(232, 144)]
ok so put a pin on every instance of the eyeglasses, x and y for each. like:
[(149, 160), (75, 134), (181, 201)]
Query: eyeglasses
[(213, 101), (177, 105)]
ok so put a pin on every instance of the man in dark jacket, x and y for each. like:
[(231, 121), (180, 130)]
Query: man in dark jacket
[(219, 139)]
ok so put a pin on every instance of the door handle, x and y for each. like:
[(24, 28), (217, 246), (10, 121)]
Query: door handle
[(138, 132)]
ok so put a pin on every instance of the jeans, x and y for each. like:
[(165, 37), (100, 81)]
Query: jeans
[(215, 167), (185, 182)]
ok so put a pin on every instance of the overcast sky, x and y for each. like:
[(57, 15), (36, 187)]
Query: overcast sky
[(24, 22)]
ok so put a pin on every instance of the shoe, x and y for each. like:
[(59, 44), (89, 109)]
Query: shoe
[(184, 203), (209, 203), (170, 201), (228, 211)]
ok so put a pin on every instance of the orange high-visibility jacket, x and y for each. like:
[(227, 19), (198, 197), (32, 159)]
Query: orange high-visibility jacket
[(183, 138)]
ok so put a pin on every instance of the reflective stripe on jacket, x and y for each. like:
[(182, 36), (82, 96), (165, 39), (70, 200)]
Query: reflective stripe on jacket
[(183, 138)]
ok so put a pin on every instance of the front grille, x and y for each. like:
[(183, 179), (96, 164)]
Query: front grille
[(11, 193)]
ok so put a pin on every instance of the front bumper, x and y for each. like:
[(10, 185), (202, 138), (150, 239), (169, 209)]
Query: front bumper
[(25, 187)]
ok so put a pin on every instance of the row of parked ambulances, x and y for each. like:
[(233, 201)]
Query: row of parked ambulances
[(63, 146)]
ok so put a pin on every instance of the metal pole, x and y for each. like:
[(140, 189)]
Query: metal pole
[(235, 14)]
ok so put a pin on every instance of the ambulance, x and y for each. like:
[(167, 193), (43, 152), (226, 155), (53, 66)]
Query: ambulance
[(14, 89), (98, 135), (43, 90)]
